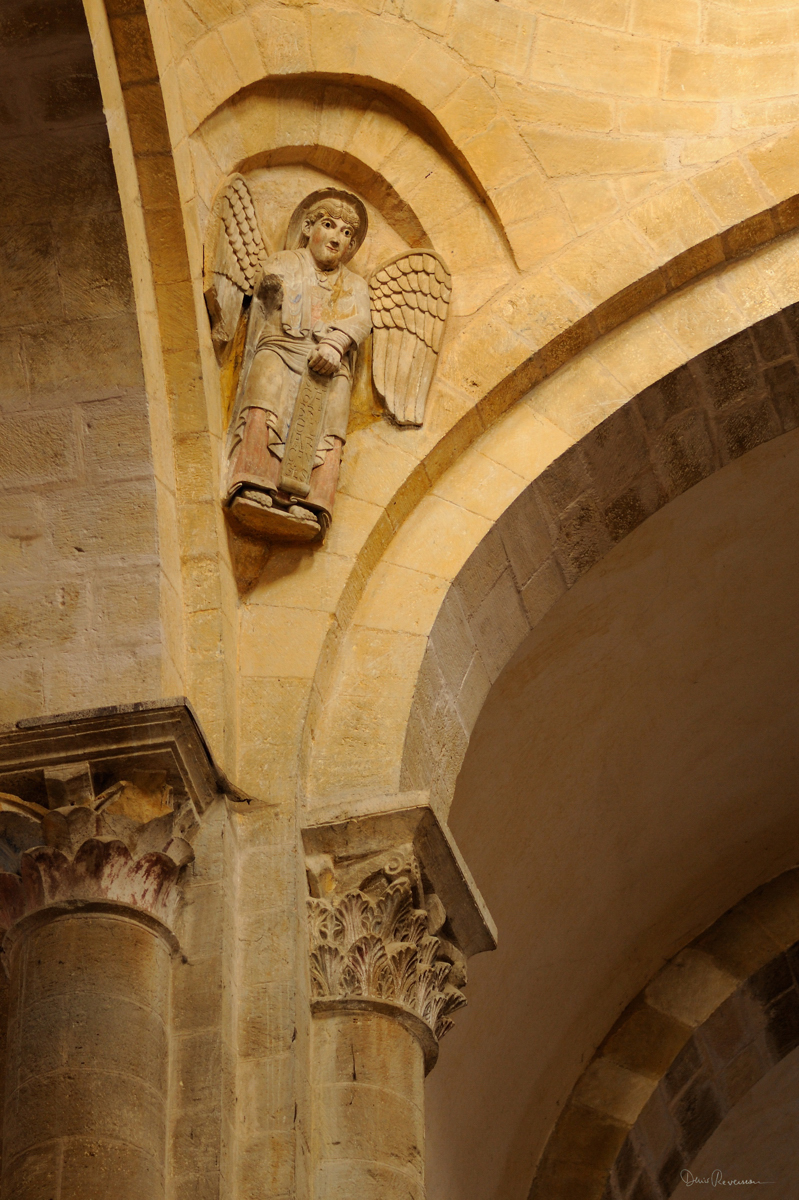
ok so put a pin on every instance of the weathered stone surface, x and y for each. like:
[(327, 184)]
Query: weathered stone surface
[(577, 162), (287, 433), (87, 1069), (90, 897), (69, 337), (672, 435)]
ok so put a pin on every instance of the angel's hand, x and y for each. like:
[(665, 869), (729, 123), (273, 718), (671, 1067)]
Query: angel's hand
[(325, 360)]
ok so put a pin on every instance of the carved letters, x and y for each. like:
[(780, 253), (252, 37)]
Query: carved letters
[(303, 435)]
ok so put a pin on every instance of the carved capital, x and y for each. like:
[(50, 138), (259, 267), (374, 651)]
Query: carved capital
[(101, 807), (98, 851), (392, 919)]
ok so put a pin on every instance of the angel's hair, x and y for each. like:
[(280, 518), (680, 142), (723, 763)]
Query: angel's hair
[(339, 210)]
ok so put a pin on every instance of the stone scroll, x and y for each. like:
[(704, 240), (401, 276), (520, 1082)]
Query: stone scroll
[(304, 433)]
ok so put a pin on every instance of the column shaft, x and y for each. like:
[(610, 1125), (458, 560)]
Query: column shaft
[(369, 1108), (86, 1081)]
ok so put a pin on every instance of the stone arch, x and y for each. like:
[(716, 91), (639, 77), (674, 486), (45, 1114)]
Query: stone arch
[(408, 68), (357, 46), (405, 605), (525, 330), (353, 173), (710, 1024), (338, 99), (715, 408), (176, 348), (395, 157)]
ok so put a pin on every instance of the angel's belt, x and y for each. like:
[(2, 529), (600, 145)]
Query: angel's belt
[(295, 353)]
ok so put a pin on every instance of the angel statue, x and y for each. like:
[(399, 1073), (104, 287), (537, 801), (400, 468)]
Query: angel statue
[(307, 315)]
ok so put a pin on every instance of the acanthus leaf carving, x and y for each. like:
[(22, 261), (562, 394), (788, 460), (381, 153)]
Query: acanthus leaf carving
[(374, 941), (125, 846)]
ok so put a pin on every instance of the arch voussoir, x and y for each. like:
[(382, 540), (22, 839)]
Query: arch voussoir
[(721, 404), (711, 1023)]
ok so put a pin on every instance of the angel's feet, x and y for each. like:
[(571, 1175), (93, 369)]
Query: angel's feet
[(257, 512), (303, 514), (256, 496)]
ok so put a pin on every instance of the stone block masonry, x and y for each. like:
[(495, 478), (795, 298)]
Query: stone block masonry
[(79, 572)]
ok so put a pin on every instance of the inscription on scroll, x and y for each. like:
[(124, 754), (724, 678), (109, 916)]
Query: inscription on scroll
[(303, 435)]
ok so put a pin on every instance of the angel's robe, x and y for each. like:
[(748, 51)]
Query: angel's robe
[(315, 306)]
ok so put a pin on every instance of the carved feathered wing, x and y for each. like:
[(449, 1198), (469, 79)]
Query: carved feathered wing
[(409, 299), (233, 258)]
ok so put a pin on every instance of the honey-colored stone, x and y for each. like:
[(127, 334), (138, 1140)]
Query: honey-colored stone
[(773, 28), (46, 1102), (721, 74), (638, 353), (572, 153), (730, 191), (482, 484), (613, 197), (496, 38), (597, 267), (539, 237), (430, 14), (594, 59), (276, 657), (680, 22), (468, 110), (673, 221), (537, 104), (691, 988), (589, 202), (700, 151)]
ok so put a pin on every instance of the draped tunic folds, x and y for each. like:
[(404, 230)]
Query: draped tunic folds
[(333, 309)]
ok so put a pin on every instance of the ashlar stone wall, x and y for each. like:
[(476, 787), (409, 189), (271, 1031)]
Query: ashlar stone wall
[(79, 575)]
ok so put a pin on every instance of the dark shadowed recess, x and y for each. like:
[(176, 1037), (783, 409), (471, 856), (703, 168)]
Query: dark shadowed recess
[(737, 1046), (700, 1073), (714, 409)]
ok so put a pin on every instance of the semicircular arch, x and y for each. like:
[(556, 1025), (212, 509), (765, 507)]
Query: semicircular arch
[(388, 153), (713, 1021), (721, 404), (551, 487)]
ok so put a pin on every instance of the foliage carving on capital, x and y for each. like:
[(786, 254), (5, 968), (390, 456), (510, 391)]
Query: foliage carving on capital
[(126, 846), (378, 935)]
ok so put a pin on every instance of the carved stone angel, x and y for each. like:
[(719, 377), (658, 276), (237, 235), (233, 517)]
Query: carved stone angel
[(307, 315)]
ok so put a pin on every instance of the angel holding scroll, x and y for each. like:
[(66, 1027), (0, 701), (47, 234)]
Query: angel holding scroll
[(306, 319)]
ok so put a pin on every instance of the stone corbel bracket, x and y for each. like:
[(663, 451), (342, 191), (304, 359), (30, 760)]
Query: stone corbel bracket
[(100, 807), (393, 916)]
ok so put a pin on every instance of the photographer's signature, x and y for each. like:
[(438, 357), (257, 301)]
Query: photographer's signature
[(716, 1179)]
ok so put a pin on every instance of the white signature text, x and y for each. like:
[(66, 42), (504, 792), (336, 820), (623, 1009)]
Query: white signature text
[(716, 1179)]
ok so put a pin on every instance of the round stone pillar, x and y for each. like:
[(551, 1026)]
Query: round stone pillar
[(392, 916), (87, 948), (86, 1074), (369, 1105)]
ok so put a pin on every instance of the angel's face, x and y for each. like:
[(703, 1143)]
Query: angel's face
[(329, 239)]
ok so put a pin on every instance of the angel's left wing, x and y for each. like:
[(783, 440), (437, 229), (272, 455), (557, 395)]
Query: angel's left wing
[(409, 297), (235, 256)]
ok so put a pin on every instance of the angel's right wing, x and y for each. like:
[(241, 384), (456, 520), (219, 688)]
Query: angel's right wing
[(233, 259)]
